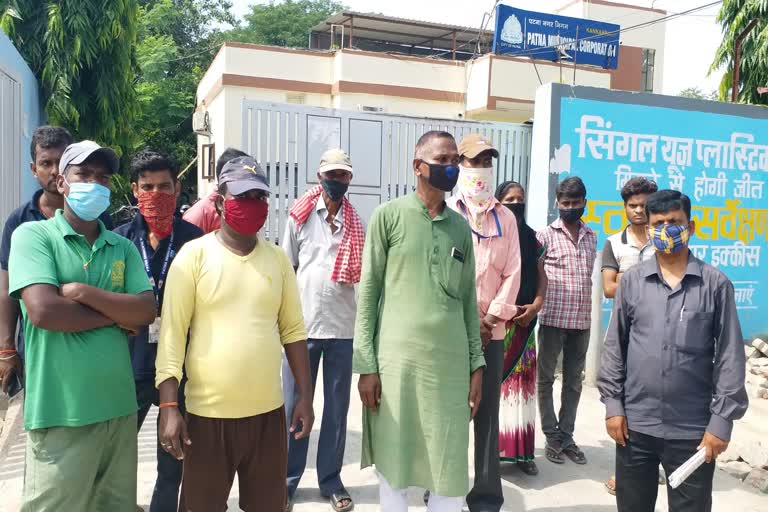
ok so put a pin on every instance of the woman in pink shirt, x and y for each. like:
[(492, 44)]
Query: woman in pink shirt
[(497, 270)]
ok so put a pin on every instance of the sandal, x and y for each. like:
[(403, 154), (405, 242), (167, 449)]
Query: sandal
[(337, 498), (554, 453), (528, 467), (610, 485), (574, 453)]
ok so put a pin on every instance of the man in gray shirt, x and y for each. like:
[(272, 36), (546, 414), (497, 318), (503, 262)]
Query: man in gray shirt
[(324, 240), (672, 372)]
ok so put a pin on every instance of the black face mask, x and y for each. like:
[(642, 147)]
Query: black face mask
[(571, 215), (334, 189), (518, 209), (443, 177)]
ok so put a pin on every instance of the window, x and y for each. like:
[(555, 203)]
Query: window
[(649, 63), (208, 161)]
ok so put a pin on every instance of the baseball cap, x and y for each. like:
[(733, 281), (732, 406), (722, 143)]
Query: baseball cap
[(242, 174), (474, 144), (79, 152), (335, 159)]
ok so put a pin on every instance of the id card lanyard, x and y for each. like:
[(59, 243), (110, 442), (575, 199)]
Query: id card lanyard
[(156, 286), (495, 217)]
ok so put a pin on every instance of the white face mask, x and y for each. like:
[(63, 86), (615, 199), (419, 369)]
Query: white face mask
[(476, 189)]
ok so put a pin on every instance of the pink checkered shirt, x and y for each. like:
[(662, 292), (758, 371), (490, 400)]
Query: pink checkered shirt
[(569, 265)]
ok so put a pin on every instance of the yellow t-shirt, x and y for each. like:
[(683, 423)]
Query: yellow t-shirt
[(239, 312)]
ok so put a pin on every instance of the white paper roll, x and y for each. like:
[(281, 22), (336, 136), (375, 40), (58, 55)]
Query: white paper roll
[(683, 472)]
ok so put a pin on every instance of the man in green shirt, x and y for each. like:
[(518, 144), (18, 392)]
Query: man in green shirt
[(81, 288), (417, 338)]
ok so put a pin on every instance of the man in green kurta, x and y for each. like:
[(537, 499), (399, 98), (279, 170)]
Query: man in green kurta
[(417, 338)]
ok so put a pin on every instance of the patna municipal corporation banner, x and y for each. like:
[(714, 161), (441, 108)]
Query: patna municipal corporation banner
[(715, 153)]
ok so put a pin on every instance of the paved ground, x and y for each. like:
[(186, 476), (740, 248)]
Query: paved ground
[(568, 488)]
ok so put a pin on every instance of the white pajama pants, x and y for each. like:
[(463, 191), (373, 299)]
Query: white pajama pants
[(396, 500)]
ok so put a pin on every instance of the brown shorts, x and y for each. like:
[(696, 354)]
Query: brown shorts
[(254, 448)]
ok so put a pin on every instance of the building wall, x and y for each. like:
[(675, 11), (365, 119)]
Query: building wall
[(403, 106), (629, 75), (478, 76), (653, 36), (13, 65), (517, 78)]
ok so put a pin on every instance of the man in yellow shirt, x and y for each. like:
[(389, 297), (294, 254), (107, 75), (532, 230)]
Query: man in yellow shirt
[(237, 296)]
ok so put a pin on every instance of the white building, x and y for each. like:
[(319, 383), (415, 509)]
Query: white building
[(372, 63)]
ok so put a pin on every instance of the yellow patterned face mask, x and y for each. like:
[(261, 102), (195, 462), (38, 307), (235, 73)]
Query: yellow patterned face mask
[(670, 238)]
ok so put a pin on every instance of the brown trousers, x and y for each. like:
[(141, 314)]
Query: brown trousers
[(254, 448)]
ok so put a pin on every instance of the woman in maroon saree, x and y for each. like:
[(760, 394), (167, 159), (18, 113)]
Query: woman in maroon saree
[(517, 410)]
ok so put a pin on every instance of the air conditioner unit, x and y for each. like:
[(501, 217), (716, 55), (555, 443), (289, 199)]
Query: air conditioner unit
[(369, 108), (201, 123)]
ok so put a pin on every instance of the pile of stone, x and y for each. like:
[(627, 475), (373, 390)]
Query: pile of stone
[(747, 456), (757, 368)]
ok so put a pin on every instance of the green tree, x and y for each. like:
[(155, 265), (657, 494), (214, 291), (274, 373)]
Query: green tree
[(175, 46), (285, 23), (697, 94), (82, 52), (734, 16)]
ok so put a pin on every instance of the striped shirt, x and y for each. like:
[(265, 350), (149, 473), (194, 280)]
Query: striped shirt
[(569, 265)]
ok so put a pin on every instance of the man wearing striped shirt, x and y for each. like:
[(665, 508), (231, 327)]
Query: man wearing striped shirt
[(565, 318)]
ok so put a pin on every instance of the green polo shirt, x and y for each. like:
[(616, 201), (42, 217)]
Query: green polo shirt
[(75, 379)]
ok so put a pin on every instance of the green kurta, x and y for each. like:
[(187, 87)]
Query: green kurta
[(417, 327)]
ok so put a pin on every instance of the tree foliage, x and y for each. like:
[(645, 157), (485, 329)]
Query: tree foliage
[(697, 94), (286, 23), (82, 52), (735, 16), (175, 46)]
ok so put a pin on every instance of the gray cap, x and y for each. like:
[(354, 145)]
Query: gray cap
[(79, 152), (335, 159), (242, 174)]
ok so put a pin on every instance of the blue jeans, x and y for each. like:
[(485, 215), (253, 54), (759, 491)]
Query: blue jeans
[(166, 493), (337, 380)]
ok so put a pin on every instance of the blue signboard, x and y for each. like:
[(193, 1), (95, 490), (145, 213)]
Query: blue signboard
[(549, 37), (720, 161)]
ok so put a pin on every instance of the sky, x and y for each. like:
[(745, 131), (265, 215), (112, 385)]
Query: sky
[(691, 40)]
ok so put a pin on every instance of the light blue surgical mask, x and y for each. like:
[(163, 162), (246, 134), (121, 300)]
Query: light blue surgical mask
[(87, 200)]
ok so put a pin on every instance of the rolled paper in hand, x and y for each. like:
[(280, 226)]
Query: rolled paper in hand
[(683, 472)]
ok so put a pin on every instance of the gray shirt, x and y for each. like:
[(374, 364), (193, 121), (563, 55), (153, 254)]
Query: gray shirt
[(329, 308), (673, 361)]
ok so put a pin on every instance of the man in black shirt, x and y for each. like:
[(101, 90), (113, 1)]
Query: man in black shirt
[(158, 234)]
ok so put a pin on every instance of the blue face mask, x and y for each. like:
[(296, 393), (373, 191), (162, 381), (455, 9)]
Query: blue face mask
[(88, 200)]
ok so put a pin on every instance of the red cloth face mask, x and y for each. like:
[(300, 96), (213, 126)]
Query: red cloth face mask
[(158, 208), (245, 215)]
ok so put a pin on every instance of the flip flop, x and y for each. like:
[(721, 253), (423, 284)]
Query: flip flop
[(337, 497), (554, 454), (610, 486), (574, 453)]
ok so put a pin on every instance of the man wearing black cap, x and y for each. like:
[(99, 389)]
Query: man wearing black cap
[(237, 297), (79, 283)]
